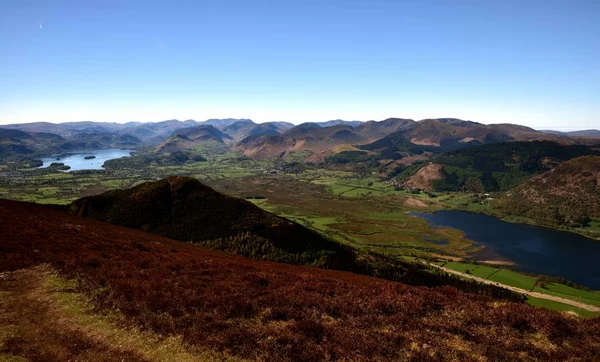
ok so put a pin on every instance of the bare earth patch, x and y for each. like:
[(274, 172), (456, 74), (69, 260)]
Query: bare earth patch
[(497, 262), (411, 201)]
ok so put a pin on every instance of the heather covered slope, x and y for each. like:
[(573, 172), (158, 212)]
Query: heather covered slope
[(268, 311)]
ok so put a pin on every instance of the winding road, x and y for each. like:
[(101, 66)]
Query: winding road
[(588, 307)]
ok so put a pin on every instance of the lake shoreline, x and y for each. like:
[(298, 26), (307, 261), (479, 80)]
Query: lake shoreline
[(86, 159), (523, 247), (514, 220)]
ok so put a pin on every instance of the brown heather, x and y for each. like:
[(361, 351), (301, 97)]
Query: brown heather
[(270, 311)]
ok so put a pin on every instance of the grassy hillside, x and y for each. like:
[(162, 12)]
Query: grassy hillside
[(261, 310)]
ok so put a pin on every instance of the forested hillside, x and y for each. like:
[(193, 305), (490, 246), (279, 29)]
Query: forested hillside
[(568, 195), (502, 166)]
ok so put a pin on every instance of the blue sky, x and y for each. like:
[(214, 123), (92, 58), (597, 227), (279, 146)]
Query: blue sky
[(529, 62)]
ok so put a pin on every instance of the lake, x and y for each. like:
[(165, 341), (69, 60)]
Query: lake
[(78, 161), (534, 249)]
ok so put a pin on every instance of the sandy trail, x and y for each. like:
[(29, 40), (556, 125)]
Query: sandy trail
[(588, 307)]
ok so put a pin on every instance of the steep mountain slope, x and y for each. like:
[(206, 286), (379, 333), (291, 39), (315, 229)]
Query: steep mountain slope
[(192, 136), (238, 130), (567, 195), (256, 310), (304, 137)]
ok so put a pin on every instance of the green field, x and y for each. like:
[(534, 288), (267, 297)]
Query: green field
[(560, 307), (515, 279), (565, 291)]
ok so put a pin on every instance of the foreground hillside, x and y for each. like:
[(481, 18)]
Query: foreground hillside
[(567, 195), (259, 310)]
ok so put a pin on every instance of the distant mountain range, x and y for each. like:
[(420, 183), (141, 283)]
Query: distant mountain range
[(391, 138), (582, 133)]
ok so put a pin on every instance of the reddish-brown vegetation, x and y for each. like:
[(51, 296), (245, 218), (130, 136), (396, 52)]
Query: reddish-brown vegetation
[(270, 311)]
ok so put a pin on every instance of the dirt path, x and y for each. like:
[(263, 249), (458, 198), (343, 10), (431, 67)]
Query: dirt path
[(34, 328), (591, 308)]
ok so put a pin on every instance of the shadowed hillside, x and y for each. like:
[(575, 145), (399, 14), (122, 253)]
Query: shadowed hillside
[(184, 209)]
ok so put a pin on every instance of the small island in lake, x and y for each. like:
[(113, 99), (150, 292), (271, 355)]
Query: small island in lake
[(60, 166), (89, 157)]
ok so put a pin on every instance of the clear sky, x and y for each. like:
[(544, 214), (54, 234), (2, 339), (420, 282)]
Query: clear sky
[(529, 62)]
